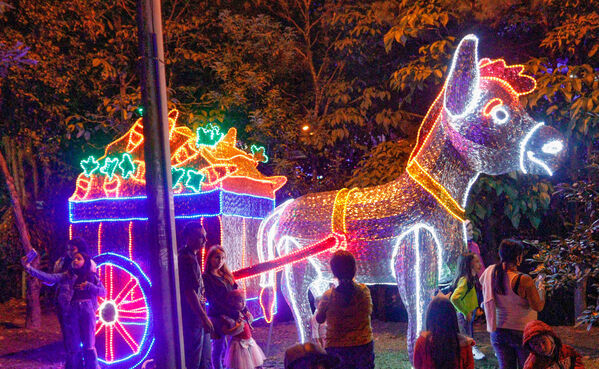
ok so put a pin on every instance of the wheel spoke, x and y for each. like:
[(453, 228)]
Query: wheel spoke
[(127, 288), (99, 326), (126, 336)]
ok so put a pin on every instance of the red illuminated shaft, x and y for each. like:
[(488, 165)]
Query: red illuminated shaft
[(330, 242)]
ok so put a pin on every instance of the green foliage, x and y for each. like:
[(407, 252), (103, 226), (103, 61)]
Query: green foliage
[(569, 98), (515, 196), (383, 164), (569, 259), (359, 75), (422, 29)]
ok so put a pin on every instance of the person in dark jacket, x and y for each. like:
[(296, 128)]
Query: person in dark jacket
[(78, 291), (219, 281), (196, 325), (547, 350), (62, 265)]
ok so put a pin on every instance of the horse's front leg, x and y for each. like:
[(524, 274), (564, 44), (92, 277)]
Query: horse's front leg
[(416, 268), (295, 284)]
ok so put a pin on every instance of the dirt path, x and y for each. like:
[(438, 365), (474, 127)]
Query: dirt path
[(25, 349)]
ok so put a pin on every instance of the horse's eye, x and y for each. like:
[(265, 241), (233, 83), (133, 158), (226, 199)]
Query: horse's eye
[(500, 114)]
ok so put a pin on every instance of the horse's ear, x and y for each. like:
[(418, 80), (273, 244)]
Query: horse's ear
[(462, 86)]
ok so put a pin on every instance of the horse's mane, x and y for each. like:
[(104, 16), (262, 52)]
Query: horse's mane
[(520, 84)]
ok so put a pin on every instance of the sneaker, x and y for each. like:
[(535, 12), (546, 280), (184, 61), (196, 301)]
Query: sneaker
[(478, 355)]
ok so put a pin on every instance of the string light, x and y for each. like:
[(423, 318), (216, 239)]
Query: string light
[(130, 318), (411, 230), (436, 189), (110, 165), (130, 240), (187, 206), (127, 165), (214, 178), (89, 166)]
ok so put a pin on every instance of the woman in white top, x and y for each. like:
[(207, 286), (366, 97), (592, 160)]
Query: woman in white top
[(517, 302)]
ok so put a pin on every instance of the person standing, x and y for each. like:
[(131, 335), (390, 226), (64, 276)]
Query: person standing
[(346, 310), (511, 300), (62, 265), (219, 281), (242, 352), (196, 325), (465, 298), (473, 246), (79, 289)]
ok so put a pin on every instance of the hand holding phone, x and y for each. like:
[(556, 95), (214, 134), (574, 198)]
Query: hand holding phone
[(28, 258)]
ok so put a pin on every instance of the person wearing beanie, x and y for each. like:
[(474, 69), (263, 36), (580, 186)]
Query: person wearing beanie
[(547, 350)]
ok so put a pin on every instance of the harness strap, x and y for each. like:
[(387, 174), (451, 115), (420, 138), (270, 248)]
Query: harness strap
[(339, 209), (444, 198)]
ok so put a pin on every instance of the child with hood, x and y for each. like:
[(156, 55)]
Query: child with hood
[(547, 350)]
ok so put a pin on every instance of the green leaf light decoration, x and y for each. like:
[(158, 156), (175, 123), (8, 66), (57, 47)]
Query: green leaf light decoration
[(127, 166), (89, 166), (177, 175), (109, 167), (209, 135), (194, 180), (259, 153)]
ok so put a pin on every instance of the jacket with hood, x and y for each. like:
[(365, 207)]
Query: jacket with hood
[(564, 356)]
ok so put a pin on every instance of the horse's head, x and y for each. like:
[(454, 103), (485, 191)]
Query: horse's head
[(485, 121)]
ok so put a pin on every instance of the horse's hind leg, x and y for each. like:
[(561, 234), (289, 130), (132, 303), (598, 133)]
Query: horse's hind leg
[(417, 278), (295, 285)]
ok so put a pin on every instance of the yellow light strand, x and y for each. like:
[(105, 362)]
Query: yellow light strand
[(444, 198)]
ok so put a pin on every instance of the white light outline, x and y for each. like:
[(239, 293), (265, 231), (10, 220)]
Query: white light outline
[(497, 120), (465, 202), (116, 312), (415, 229), (267, 279), (289, 270), (541, 163), (553, 147), (524, 142), (476, 91)]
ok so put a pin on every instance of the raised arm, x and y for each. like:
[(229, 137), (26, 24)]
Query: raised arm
[(49, 278)]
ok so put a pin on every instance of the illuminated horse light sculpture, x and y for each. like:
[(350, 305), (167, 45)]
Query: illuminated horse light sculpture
[(410, 232)]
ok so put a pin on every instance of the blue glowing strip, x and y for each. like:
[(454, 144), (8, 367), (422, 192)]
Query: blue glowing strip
[(187, 206)]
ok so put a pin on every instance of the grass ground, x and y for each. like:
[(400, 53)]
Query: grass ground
[(25, 349), (390, 344)]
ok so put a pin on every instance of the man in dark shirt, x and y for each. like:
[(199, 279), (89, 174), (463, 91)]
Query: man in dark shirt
[(196, 325)]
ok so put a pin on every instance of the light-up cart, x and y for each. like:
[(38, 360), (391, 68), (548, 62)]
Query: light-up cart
[(214, 182)]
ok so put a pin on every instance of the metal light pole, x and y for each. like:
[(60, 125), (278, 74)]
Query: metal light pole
[(162, 245)]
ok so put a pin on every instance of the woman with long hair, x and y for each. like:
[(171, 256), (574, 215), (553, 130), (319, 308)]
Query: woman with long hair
[(465, 295), (346, 310), (218, 282), (511, 301), (79, 288), (442, 346)]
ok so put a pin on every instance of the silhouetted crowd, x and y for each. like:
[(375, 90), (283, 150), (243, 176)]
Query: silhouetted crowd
[(217, 326)]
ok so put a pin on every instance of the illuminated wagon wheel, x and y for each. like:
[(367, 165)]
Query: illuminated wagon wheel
[(124, 326)]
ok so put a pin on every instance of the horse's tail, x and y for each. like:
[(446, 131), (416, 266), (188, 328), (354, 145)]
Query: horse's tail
[(267, 234)]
